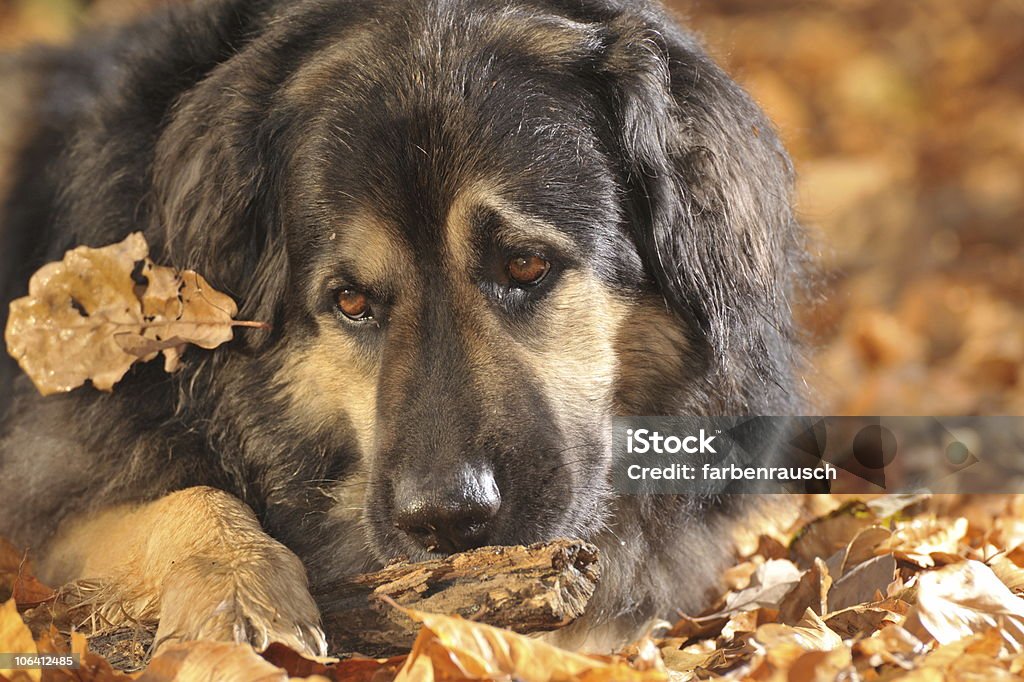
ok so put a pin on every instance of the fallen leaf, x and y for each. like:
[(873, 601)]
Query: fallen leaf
[(688, 628), (777, 648), (962, 599), (862, 583), (1008, 571), (975, 657), (889, 506), (738, 577), (863, 547), (745, 622), (688, 663), (15, 637), (213, 662), (829, 534), (864, 619), (92, 667), (812, 592), (770, 583), (450, 647), (893, 645), (820, 666), (810, 634), (927, 541), (17, 579), (93, 314), (194, 312)]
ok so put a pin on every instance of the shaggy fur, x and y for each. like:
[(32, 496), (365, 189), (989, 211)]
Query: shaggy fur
[(286, 150)]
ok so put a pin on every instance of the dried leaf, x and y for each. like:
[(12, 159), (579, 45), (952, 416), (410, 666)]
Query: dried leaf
[(863, 583), (927, 541), (864, 619), (738, 577), (889, 506), (212, 661), (770, 583), (688, 663), (451, 648), (972, 658), (745, 622), (778, 648), (99, 310), (810, 634), (892, 645), (688, 628), (812, 592), (820, 666), (962, 599), (94, 668), (17, 579), (829, 534), (863, 547), (15, 637), (1009, 572)]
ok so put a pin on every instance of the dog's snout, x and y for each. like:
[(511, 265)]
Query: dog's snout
[(448, 516)]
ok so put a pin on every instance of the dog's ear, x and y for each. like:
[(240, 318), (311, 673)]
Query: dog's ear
[(176, 147), (214, 201), (215, 167), (709, 190)]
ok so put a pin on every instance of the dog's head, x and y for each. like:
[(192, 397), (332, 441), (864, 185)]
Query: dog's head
[(479, 230)]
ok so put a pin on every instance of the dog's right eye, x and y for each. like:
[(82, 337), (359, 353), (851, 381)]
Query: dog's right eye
[(354, 305)]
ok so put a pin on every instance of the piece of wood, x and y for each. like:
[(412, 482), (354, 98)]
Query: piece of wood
[(526, 589)]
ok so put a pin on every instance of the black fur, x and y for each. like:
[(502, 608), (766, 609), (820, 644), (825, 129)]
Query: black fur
[(664, 174)]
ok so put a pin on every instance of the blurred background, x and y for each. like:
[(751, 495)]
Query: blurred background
[(906, 122)]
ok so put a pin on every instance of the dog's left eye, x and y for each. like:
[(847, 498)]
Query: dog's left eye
[(527, 270), (354, 305)]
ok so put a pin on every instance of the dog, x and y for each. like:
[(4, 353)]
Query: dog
[(477, 230)]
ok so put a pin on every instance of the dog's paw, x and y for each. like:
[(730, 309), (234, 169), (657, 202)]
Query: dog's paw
[(259, 595)]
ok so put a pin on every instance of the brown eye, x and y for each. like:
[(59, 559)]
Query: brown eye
[(527, 270), (354, 305)]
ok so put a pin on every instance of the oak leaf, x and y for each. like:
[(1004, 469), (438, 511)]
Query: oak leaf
[(95, 313)]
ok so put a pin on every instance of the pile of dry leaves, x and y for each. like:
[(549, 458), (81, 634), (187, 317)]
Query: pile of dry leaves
[(904, 123), (911, 588)]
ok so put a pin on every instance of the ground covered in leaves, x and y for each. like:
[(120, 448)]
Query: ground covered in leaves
[(905, 123), (911, 588)]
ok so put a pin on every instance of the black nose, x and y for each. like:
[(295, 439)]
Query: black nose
[(450, 513)]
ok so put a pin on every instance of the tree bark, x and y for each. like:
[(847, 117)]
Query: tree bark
[(526, 589)]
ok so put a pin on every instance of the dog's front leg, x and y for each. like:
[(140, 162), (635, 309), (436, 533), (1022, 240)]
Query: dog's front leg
[(195, 560)]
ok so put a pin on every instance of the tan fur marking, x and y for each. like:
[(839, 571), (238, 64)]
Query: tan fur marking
[(195, 560), (377, 255), (573, 353), (516, 227), (555, 41), (320, 74), (330, 379), (519, 227), (651, 349), (458, 226)]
